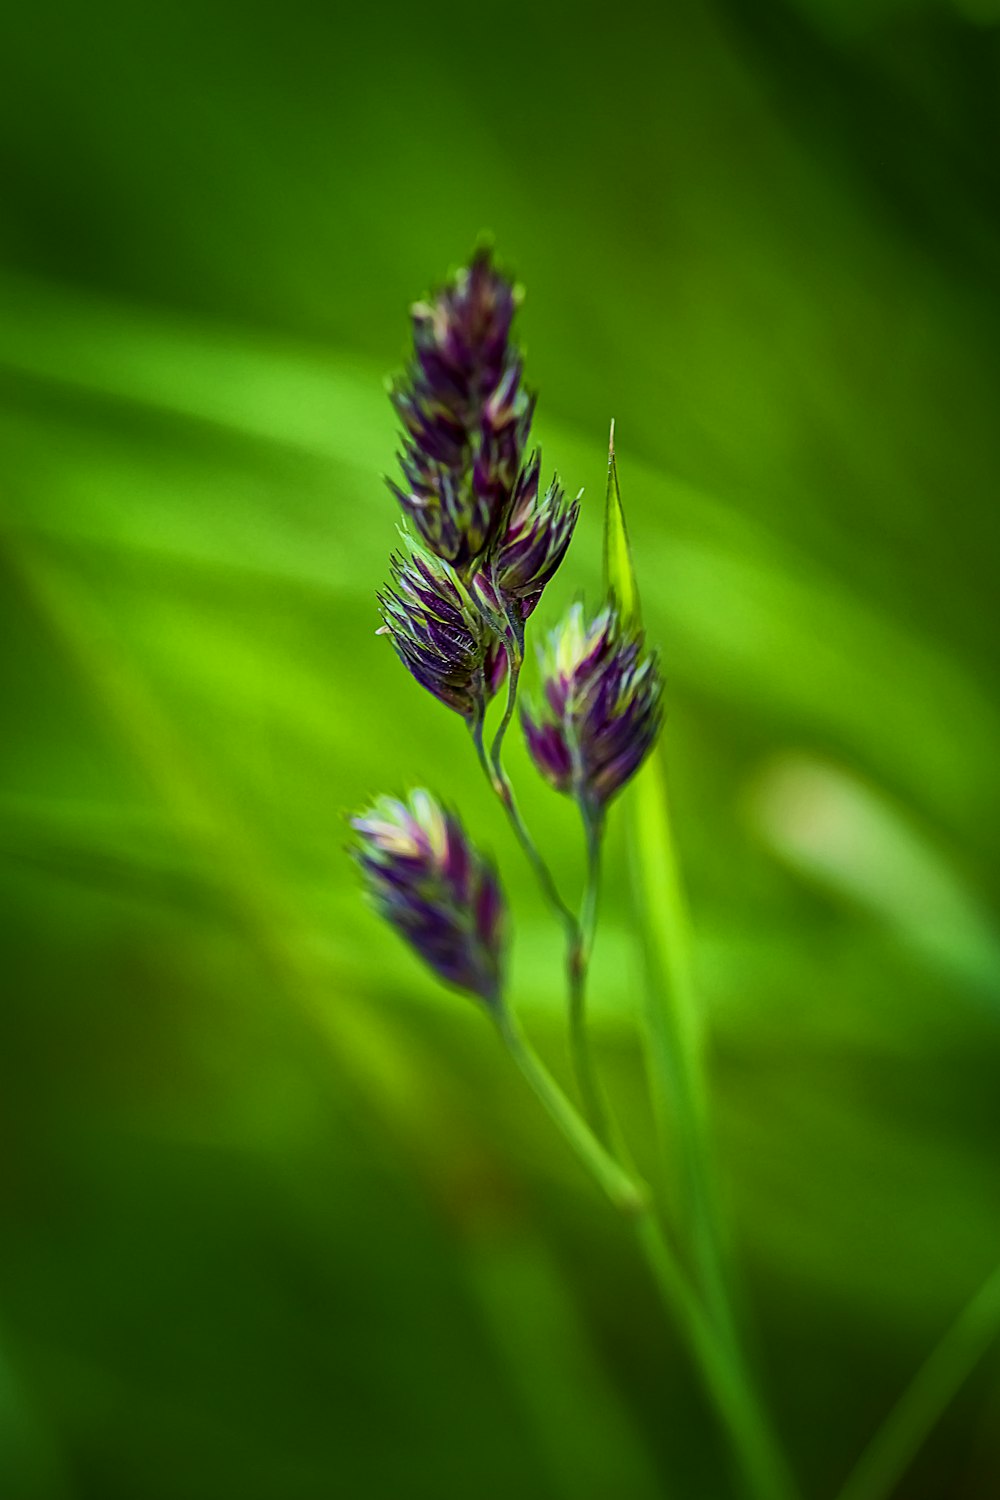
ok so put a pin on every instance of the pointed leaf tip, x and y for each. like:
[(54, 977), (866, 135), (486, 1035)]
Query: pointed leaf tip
[(619, 574)]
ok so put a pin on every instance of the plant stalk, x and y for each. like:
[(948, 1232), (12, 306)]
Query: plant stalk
[(627, 1195), (513, 641), (765, 1473), (578, 966), (761, 1464), (500, 784)]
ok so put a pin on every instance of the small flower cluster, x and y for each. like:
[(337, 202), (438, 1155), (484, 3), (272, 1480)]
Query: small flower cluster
[(488, 539)]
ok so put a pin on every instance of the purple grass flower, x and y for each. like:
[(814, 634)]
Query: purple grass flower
[(465, 415), (439, 635), (601, 710), (536, 532), (430, 883)]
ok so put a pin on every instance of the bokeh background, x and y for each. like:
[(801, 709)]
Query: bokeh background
[(276, 1220)]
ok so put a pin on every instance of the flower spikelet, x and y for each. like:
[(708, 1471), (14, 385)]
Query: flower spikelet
[(601, 707), (464, 413), (432, 885), (439, 635)]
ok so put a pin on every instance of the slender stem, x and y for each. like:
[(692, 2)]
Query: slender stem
[(710, 1339), (578, 966), (765, 1473), (579, 930), (897, 1442), (725, 1382), (513, 643), (476, 731), (500, 782), (627, 1195), (514, 647)]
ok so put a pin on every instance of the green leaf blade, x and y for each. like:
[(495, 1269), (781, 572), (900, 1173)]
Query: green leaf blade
[(672, 1031), (619, 572)]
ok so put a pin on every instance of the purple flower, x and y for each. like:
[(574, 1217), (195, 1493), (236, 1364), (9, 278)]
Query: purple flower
[(439, 635), (431, 884), (465, 416), (534, 537), (601, 710)]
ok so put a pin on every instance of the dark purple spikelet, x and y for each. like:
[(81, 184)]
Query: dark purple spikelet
[(465, 415), (431, 884), (537, 529), (601, 711), (439, 635)]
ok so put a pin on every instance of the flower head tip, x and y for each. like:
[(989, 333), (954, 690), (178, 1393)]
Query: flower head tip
[(464, 412)]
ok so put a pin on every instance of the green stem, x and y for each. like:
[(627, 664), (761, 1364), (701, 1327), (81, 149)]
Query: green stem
[(513, 642), (578, 966), (765, 1473), (710, 1337), (514, 647), (627, 1195), (896, 1444), (500, 783), (725, 1382), (579, 930)]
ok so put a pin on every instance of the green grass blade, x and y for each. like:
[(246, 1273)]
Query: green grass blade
[(671, 1024), (672, 1034), (899, 1439), (589, 1439), (619, 574)]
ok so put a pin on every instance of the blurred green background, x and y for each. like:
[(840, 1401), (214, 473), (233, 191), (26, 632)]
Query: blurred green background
[(276, 1219)]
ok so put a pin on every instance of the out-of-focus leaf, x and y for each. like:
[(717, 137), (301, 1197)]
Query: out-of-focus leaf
[(897, 1442), (849, 839)]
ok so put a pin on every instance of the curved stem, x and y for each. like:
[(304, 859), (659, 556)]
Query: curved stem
[(513, 644), (499, 781), (579, 930)]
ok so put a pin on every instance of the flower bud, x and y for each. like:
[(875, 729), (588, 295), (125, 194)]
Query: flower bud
[(601, 711), (434, 887)]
